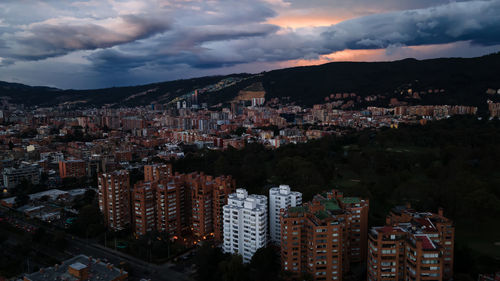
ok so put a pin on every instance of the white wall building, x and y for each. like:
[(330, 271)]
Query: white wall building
[(280, 198), (13, 176), (245, 224)]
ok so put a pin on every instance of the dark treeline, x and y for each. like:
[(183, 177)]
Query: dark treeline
[(450, 164), (214, 265)]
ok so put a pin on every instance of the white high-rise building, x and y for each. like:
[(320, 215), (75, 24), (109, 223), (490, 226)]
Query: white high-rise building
[(245, 224), (280, 198)]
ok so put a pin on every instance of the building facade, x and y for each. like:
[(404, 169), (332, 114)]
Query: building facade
[(157, 172), (72, 169), (316, 238), (208, 197), (171, 206), (280, 198), (223, 186), (13, 176), (357, 215), (245, 224), (176, 204), (114, 198), (143, 207), (411, 246)]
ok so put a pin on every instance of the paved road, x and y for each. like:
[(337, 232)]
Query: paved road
[(140, 268)]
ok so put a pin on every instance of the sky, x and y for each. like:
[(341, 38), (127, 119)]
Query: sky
[(87, 44)]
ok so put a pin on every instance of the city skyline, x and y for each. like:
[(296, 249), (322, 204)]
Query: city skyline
[(93, 44)]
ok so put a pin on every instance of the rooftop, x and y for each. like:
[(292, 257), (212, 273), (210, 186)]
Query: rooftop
[(97, 270), (330, 205), (427, 243), (78, 266), (350, 200), (322, 215), (296, 209)]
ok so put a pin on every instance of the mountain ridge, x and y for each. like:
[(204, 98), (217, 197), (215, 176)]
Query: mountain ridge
[(464, 80)]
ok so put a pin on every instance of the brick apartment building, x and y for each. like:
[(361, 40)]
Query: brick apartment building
[(357, 214), (208, 197), (72, 169), (324, 236), (171, 206), (156, 173), (411, 246), (114, 198), (180, 204), (143, 207)]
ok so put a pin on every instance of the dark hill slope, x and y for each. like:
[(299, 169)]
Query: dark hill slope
[(465, 81)]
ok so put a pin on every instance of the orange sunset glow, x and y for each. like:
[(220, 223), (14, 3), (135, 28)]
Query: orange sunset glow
[(130, 42)]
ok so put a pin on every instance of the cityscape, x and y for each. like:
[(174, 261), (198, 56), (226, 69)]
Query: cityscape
[(253, 140)]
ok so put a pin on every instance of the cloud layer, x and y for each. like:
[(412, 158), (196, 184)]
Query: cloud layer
[(164, 39)]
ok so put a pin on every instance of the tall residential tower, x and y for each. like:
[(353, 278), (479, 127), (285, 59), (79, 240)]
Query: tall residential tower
[(114, 198), (280, 198), (245, 224)]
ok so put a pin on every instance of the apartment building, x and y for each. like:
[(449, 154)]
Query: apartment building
[(208, 197), (223, 186), (411, 246), (114, 198), (171, 206), (157, 172), (72, 169), (436, 225), (280, 198), (357, 214), (316, 238), (13, 176), (245, 224), (143, 207), (178, 204)]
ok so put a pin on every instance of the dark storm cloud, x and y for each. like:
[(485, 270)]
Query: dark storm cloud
[(476, 21), (181, 47), (180, 38), (59, 37), (218, 46)]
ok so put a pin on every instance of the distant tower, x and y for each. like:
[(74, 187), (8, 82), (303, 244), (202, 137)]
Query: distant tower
[(195, 97)]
